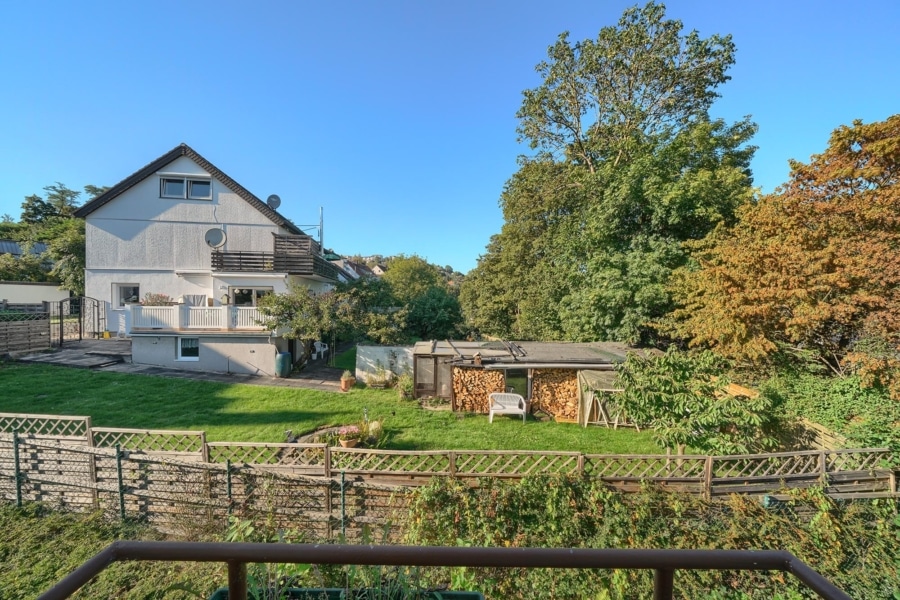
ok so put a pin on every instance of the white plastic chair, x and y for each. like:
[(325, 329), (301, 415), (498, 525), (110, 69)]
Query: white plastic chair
[(500, 403), (320, 350)]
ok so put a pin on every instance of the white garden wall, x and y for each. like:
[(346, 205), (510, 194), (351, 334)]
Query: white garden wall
[(373, 362)]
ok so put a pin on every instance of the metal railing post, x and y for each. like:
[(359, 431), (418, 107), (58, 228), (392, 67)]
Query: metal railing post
[(228, 485), (237, 580), (120, 481), (343, 510), (18, 470), (663, 584)]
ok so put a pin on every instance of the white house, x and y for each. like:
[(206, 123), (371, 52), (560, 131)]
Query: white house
[(181, 227)]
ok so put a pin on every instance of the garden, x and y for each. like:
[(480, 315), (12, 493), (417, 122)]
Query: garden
[(251, 413)]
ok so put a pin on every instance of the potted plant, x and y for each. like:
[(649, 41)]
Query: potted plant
[(348, 436), (347, 381)]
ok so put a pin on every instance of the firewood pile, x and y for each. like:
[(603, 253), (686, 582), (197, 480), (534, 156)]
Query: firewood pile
[(472, 386), (555, 392)]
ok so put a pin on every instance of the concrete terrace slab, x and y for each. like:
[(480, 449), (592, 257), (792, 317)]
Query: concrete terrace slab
[(115, 356)]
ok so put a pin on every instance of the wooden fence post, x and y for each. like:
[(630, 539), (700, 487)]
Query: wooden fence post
[(823, 473), (708, 477), (452, 456)]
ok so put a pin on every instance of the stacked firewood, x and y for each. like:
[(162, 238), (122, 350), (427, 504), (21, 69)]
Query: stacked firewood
[(555, 391), (471, 387)]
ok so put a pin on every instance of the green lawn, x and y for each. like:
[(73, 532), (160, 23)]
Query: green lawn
[(257, 413)]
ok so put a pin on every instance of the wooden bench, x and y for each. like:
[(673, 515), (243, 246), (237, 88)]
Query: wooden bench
[(502, 403)]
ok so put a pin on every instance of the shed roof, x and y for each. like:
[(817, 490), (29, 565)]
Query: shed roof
[(531, 354)]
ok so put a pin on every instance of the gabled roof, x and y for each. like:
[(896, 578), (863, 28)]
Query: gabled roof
[(169, 157)]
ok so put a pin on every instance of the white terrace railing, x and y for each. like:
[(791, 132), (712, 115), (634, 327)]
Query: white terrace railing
[(181, 317)]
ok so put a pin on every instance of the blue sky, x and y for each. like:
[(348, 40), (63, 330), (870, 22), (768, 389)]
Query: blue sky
[(397, 117)]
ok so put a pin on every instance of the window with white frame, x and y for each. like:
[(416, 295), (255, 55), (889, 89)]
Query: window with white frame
[(247, 296), (188, 348), (185, 187), (126, 293)]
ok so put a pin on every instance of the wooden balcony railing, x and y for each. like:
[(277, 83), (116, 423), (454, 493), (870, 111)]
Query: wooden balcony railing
[(308, 265)]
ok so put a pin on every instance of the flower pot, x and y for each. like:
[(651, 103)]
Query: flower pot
[(346, 384), (348, 443)]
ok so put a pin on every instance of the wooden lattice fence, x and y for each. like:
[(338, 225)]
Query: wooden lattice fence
[(178, 480)]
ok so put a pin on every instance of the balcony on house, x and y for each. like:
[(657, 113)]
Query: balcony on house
[(182, 318), (292, 254)]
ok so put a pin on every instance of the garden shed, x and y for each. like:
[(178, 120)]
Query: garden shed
[(545, 373)]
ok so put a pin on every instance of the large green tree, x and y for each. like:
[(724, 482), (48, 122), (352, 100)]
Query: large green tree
[(49, 219), (432, 310), (627, 165)]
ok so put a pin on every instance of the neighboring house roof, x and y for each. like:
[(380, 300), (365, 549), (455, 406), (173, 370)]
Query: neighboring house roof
[(14, 248), (169, 157), (363, 270)]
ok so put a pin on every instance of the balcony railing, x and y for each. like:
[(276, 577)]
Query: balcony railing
[(179, 318), (664, 563), (308, 265)]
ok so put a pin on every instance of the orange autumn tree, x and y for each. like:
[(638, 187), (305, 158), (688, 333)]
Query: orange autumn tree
[(813, 268)]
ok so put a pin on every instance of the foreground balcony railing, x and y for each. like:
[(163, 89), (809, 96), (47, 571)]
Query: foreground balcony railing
[(664, 563), (182, 317)]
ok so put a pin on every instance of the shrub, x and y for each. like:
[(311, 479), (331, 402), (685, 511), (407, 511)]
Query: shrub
[(151, 299)]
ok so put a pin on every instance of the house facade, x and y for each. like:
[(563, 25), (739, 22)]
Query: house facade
[(181, 228)]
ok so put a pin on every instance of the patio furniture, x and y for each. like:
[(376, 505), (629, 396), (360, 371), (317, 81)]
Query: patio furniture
[(320, 349), (500, 403)]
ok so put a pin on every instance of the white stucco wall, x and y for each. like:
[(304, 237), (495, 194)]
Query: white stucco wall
[(31, 293), (158, 243), (393, 359), (253, 355)]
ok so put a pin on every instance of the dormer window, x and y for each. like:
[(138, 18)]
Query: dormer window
[(185, 187)]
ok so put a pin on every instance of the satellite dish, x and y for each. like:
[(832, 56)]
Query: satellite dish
[(273, 201), (215, 238)]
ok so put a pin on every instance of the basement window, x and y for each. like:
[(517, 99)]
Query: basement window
[(188, 348)]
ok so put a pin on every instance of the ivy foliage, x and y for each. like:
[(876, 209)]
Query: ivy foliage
[(682, 398), (855, 545), (39, 546), (867, 416)]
